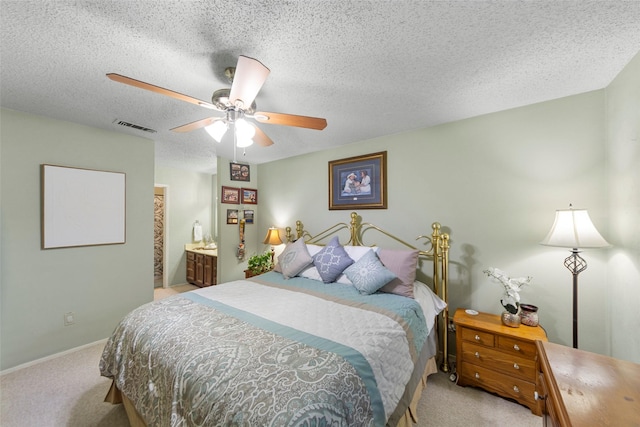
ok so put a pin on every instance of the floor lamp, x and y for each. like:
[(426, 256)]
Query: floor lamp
[(573, 229)]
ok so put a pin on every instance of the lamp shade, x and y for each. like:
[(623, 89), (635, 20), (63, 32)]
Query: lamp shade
[(273, 237), (573, 228), (217, 129), (244, 132)]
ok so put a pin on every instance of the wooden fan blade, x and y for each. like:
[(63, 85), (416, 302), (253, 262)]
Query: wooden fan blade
[(195, 125), (261, 138), (290, 120), (157, 89), (249, 77)]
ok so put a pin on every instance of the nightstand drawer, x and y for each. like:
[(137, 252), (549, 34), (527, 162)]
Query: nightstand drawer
[(515, 388), (519, 347), (478, 337), (511, 365)]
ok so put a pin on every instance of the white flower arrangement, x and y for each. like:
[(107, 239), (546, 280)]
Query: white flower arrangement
[(512, 286)]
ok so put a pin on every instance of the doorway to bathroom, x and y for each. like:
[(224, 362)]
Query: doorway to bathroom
[(159, 236)]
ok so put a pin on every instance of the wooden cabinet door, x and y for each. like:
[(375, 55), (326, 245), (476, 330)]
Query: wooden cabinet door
[(191, 267), (199, 270), (208, 271), (214, 270)]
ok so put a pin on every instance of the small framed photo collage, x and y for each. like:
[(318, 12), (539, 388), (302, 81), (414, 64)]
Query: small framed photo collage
[(238, 196)]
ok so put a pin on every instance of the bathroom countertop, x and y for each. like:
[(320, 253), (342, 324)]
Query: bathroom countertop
[(199, 248)]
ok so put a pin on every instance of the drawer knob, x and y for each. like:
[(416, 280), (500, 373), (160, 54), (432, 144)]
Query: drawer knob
[(516, 347), (477, 355), (477, 376), (516, 366), (477, 337), (516, 389)]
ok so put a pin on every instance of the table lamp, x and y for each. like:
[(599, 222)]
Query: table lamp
[(573, 229), (273, 239)]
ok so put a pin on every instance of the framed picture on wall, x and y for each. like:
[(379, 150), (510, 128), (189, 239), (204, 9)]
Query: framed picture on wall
[(81, 207), (358, 182), (239, 172), (232, 216), (248, 216), (249, 196), (230, 195)]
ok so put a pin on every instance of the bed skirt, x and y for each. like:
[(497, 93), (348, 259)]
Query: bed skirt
[(409, 418)]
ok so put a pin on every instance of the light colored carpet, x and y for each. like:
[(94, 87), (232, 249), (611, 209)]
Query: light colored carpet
[(159, 293), (68, 391)]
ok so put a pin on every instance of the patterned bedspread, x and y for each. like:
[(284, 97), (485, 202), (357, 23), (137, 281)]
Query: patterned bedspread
[(267, 352)]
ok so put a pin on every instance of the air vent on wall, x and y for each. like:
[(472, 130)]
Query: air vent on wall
[(134, 126)]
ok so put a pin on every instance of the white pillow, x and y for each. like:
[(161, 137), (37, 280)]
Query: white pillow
[(430, 303), (294, 258), (311, 272)]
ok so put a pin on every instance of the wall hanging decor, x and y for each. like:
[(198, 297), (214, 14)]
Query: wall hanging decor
[(248, 216), (81, 207), (250, 196), (358, 182), (232, 216), (239, 172), (230, 195)]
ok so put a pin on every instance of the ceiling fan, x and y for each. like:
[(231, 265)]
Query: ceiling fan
[(237, 103)]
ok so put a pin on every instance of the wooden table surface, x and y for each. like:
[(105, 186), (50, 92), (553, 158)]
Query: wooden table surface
[(590, 389)]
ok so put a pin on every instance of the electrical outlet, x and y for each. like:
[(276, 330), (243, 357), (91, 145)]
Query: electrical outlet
[(69, 318)]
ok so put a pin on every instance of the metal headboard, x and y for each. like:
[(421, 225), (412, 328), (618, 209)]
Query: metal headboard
[(438, 252)]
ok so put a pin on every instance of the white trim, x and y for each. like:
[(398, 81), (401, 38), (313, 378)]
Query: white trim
[(51, 357)]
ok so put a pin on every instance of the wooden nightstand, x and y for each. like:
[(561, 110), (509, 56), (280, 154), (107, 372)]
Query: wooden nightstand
[(248, 273), (498, 358)]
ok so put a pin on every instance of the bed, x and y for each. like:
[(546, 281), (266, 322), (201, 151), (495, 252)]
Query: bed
[(337, 334)]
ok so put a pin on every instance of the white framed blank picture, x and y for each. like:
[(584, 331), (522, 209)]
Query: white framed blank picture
[(81, 207)]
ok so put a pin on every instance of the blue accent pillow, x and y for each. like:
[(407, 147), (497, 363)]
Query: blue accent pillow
[(368, 274), (331, 261)]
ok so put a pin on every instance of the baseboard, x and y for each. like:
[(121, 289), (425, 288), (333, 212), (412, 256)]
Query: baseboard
[(51, 357)]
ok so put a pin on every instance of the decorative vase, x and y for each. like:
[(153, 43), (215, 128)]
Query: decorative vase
[(529, 314), (510, 319)]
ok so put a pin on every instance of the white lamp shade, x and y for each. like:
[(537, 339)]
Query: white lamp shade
[(573, 228), (217, 129), (244, 132)]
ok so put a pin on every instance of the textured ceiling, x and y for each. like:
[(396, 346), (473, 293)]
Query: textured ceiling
[(370, 68)]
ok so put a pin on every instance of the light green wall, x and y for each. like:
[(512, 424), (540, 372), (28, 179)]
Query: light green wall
[(189, 197), (494, 182), (623, 153), (100, 284)]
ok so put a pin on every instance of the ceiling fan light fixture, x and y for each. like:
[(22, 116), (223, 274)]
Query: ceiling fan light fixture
[(217, 129), (236, 103), (244, 129), (244, 133), (244, 142), (220, 99)]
